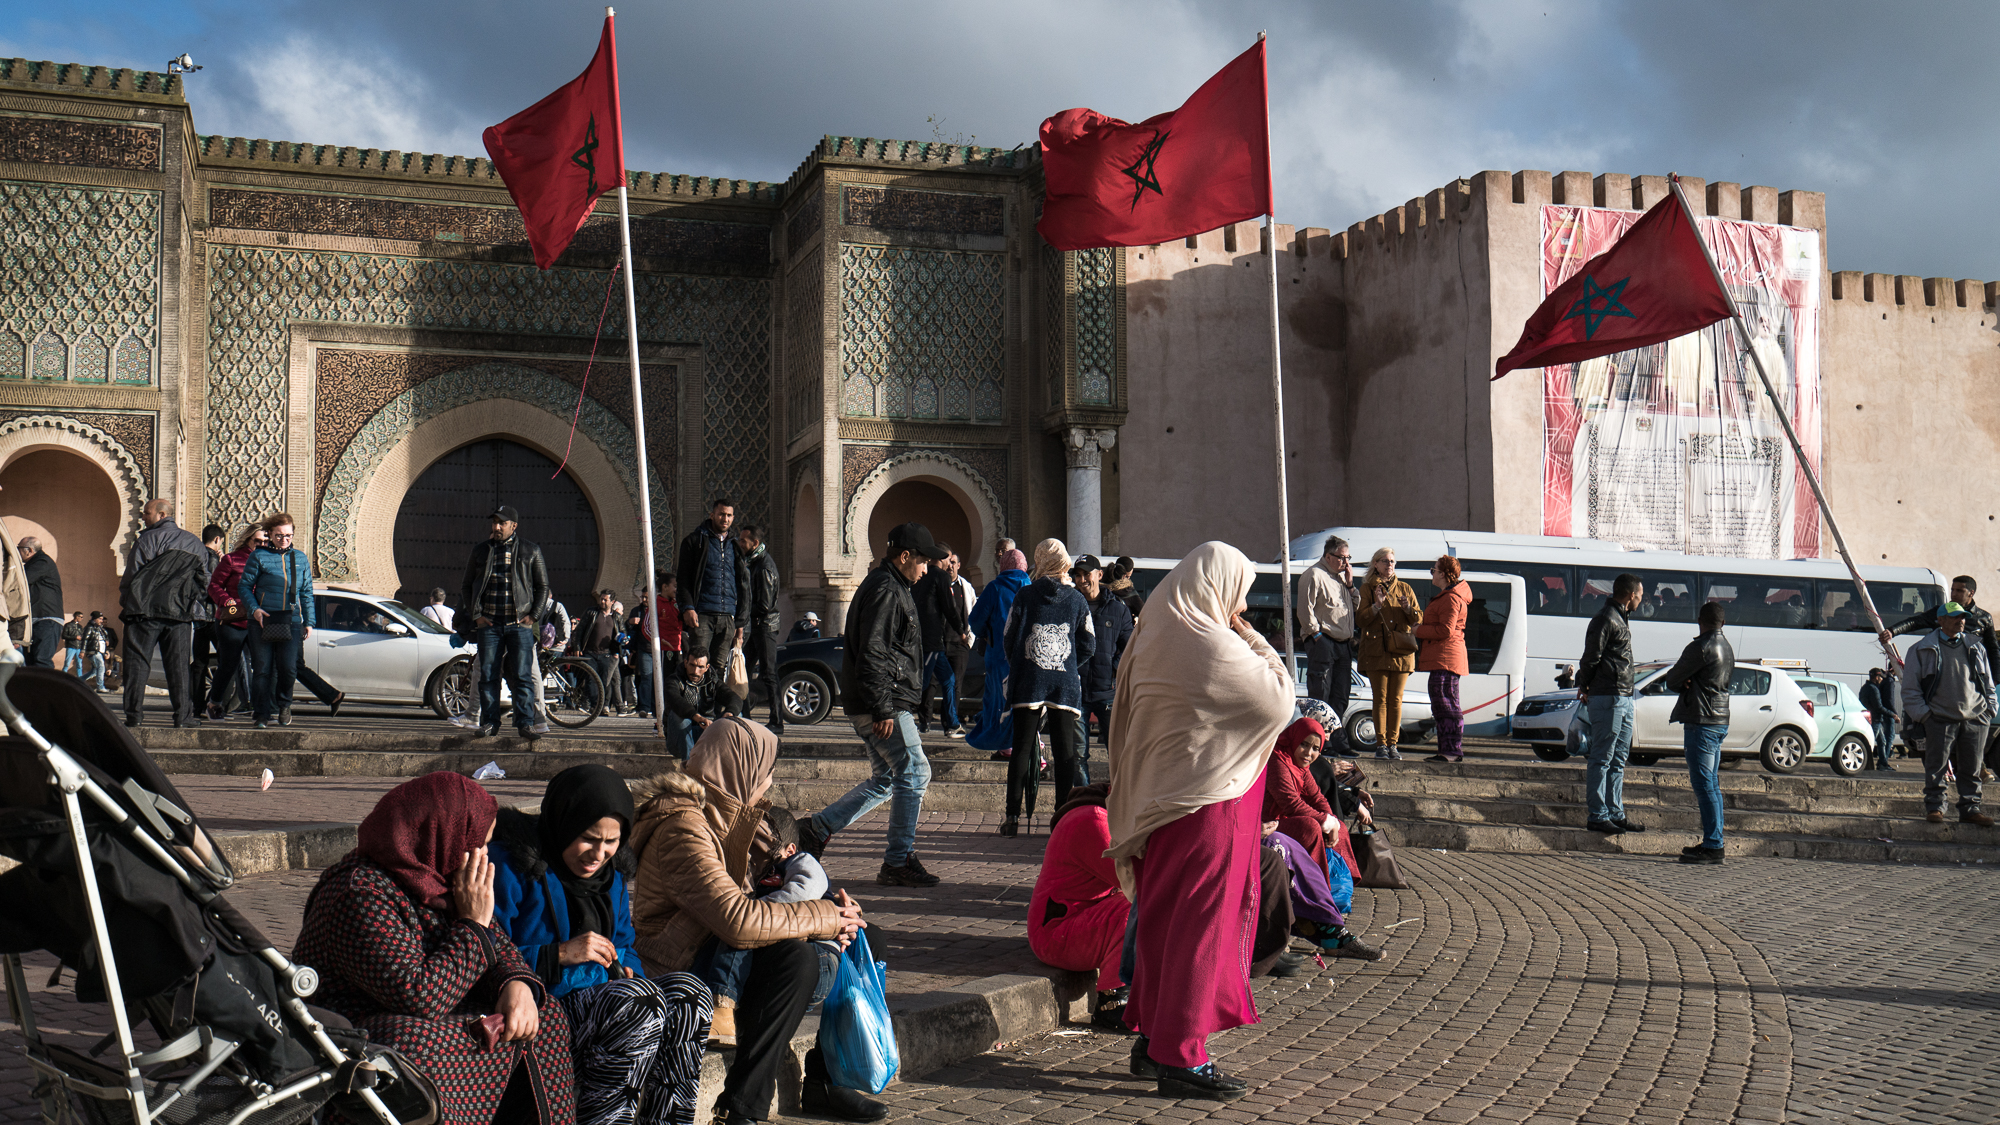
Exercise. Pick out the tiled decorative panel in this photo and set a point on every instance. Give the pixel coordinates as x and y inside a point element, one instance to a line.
<point>93,144</point>
<point>945,212</point>
<point>930,317</point>
<point>804,355</point>
<point>125,437</point>
<point>804,224</point>
<point>1055,323</point>
<point>256,294</point>
<point>80,264</point>
<point>1096,325</point>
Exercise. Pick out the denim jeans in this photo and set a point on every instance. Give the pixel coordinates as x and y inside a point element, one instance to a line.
<point>1702,742</point>
<point>73,662</point>
<point>96,675</point>
<point>277,668</point>
<point>901,775</point>
<point>724,968</point>
<point>681,734</point>
<point>938,669</point>
<point>1604,768</point>
<point>1885,740</point>
<point>515,644</point>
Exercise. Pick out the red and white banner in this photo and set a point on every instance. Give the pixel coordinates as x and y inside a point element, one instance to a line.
<point>1675,446</point>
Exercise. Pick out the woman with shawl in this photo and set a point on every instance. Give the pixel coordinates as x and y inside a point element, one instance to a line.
<point>1385,650</point>
<point>401,931</point>
<point>1201,698</point>
<point>1048,639</point>
<point>696,831</point>
<point>995,729</point>
<point>560,892</point>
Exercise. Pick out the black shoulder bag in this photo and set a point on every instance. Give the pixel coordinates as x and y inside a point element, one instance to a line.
<point>278,626</point>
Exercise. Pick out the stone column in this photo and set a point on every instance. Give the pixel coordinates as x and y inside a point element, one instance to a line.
<point>1085,448</point>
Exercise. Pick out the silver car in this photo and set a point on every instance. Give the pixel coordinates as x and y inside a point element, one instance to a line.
<point>381,651</point>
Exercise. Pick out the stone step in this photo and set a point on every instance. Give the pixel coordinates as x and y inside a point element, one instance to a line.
<point>1684,819</point>
<point>1896,801</point>
<point>1440,836</point>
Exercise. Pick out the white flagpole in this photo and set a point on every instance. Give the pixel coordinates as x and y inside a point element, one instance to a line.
<point>1278,407</point>
<point>639,435</point>
<point>1785,420</point>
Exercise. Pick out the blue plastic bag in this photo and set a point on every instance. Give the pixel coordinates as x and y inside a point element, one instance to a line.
<point>855,1032</point>
<point>1341,880</point>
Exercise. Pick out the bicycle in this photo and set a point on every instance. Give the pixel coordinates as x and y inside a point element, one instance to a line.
<point>572,690</point>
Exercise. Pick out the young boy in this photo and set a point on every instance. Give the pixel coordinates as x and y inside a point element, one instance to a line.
<point>791,876</point>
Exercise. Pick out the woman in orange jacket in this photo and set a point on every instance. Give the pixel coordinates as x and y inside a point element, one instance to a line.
<point>1442,632</point>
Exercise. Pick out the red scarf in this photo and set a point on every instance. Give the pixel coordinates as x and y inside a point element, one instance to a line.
<point>420,831</point>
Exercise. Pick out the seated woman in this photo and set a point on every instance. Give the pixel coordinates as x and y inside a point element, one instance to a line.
<point>1316,915</point>
<point>696,829</point>
<point>559,892</point>
<point>1294,800</point>
<point>401,931</point>
<point>1076,916</point>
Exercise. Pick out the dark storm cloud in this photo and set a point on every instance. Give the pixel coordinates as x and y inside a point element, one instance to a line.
<point>1888,109</point>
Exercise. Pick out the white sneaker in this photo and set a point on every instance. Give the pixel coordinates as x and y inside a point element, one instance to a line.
<point>955,732</point>
<point>540,728</point>
<point>466,722</point>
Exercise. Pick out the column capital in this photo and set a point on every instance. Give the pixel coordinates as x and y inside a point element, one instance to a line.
<point>1085,446</point>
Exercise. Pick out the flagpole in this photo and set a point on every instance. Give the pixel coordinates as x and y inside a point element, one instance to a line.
<point>1278,404</point>
<point>639,425</point>
<point>1785,420</point>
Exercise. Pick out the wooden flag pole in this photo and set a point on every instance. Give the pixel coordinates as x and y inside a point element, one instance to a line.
<point>639,430</point>
<point>1278,403</point>
<point>1785,419</point>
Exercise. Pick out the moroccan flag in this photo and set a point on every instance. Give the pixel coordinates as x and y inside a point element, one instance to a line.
<point>1203,166</point>
<point>1653,284</point>
<point>558,155</point>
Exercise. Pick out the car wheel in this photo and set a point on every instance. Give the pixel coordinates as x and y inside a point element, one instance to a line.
<point>808,698</point>
<point>1644,759</point>
<point>1850,756</point>
<point>1783,750</point>
<point>1361,729</point>
<point>1548,753</point>
<point>452,690</point>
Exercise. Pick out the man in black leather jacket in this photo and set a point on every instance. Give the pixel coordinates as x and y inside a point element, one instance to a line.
<point>760,619</point>
<point>881,680</point>
<point>1701,676</point>
<point>1604,685</point>
<point>505,591</point>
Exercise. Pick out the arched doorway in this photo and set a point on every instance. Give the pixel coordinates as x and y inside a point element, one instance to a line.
<point>920,501</point>
<point>445,512</point>
<point>73,508</point>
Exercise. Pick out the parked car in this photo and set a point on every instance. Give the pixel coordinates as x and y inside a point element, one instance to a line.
<point>381,651</point>
<point>1771,719</point>
<point>1846,736</point>
<point>1359,721</point>
<point>808,679</point>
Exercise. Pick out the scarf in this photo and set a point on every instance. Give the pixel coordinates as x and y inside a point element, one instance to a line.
<point>1288,742</point>
<point>420,832</point>
<point>733,760</point>
<point>576,799</point>
<point>1081,797</point>
<point>1197,706</point>
<point>1013,560</point>
<point>1051,560</point>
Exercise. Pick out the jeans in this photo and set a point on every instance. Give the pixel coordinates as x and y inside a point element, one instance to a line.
<point>1083,740</point>
<point>45,642</point>
<point>1330,679</point>
<point>96,675</point>
<point>605,664</point>
<point>73,662</point>
<point>760,663</point>
<point>1885,740</point>
<point>714,634</point>
<point>941,670</point>
<point>1961,744</point>
<point>901,775</point>
<point>1702,742</point>
<point>644,676</point>
<point>277,668</point>
<point>174,639</point>
<point>681,734</point>
<point>1610,745</point>
<point>515,645</point>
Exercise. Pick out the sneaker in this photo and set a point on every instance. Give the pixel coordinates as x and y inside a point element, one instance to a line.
<point>492,731</point>
<point>1975,817</point>
<point>215,712</point>
<point>1711,857</point>
<point>191,722</point>
<point>910,874</point>
<point>262,724</point>
<point>464,722</point>
<point>531,734</point>
<point>1349,946</point>
<point>811,840</point>
<point>284,716</point>
<point>1935,816</point>
<point>955,732</point>
<point>1388,754</point>
<point>541,727</point>
<point>1202,1081</point>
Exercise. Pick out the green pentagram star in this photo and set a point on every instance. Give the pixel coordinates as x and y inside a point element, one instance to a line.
<point>1592,311</point>
<point>586,157</point>
<point>1144,178</point>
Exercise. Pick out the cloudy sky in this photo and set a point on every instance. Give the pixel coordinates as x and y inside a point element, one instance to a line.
<point>1888,108</point>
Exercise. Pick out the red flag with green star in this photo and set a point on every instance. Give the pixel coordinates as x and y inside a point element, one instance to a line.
<point>558,155</point>
<point>1653,284</point>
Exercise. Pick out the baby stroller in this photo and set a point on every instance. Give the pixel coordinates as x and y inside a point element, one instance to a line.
<point>145,930</point>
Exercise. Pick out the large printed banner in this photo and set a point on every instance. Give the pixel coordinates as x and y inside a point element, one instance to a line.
<point>1676,446</point>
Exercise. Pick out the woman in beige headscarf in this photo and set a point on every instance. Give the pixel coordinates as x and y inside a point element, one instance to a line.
<point>1201,699</point>
<point>695,834</point>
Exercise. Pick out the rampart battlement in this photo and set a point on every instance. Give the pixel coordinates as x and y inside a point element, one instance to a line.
<point>104,81</point>
<point>263,155</point>
<point>1916,292</point>
<point>924,155</point>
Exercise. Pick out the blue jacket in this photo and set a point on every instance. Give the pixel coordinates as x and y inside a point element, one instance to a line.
<point>529,903</point>
<point>263,583</point>
<point>1049,637</point>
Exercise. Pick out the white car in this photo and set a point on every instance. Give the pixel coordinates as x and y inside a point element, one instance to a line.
<point>1360,718</point>
<point>1770,719</point>
<point>382,651</point>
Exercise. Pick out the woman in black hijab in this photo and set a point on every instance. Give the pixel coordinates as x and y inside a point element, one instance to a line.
<point>561,892</point>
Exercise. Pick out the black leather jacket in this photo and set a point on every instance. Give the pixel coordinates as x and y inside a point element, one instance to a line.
<point>706,696</point>
<point>763,608</point>
<point>530,576</point>
<point>881,665</point>
<point>1606,667</point>
<point>1701,676</point>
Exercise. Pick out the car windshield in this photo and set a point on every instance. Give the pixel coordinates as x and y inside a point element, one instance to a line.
<point>414,618</point>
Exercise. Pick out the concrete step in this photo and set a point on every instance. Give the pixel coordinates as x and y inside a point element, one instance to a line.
<point>1895,802</point>
<point>1685,819</point>
<point>1441,836</point>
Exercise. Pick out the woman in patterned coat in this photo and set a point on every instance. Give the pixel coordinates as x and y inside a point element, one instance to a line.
<point>1049,639</point>
<point>401,931</point>
<point>561,892</point>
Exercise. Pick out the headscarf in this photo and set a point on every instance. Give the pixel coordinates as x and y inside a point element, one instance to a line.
<point>1051,560</point>
<point>733,760</point>
<point>575,800</point>
<point>1298,732</point>
<point>1011,559</point>
<point>1197,707</point>
<point>1082,797</point>
<point>420,831</point>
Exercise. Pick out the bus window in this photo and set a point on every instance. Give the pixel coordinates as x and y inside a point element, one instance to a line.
<point>1485,620</point>
<point>1838,607</point>
<point>1593,590</point>
<point>1669,596</point>
<point>1760,600</point>
<point>1551,589</point>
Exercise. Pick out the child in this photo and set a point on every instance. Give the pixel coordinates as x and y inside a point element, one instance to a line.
<point>791,876</point>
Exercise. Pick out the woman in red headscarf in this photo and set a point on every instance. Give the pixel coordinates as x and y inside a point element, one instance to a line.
<point>401,931</point>
<point>1294,800</point>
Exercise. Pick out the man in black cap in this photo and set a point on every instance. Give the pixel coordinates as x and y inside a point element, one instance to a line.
<point>506,590</point>
<point>881,679</point>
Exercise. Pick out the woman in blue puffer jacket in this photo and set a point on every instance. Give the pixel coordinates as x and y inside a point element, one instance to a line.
<point>277,585</point>
<point>1049,638</point>
<point>561,892</point>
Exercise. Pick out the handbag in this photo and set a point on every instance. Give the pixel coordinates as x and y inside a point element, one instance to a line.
<point>738,679</point>
<point>1378,862</point>
<point>1397,643</point>
<point>232,614</point>
<point>278,626</point>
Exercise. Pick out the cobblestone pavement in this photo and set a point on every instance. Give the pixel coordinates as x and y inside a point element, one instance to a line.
<point>1891,976</point>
